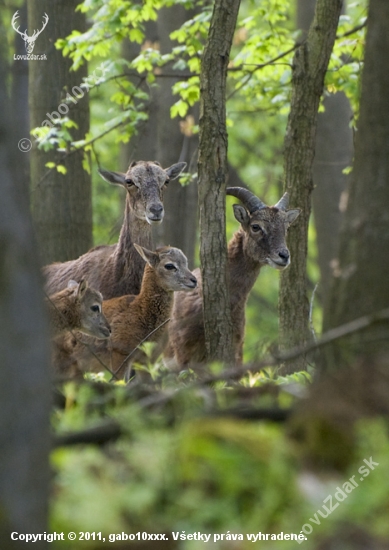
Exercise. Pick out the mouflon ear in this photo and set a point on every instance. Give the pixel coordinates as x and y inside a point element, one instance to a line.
<point>241,214</point>
<point>115,178</point>
<point>175,170</point>
<point>82,288</point>
<point>291,215</point>
<point>149,257</point>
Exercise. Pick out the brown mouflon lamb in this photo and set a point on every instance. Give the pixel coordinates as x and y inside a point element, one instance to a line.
<point>77,307</point>
<point>134,318</point>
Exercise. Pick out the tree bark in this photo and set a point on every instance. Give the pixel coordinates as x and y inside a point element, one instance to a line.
<point>309,68</point>
<point>142,146</point>
<point>61,204</point>
<point>180,222</point>
<point>212,170</point>
<point>333,153</point>
<point>360,286</point>
<point>19,106</point>
<point>24,377</point>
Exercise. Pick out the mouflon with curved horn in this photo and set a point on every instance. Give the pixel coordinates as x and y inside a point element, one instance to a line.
<point>259,241</point>
<point>282,204</point>
<point>251,202</point>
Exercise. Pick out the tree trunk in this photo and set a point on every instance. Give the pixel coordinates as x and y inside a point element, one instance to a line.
<point>180,222</point>
<point>309,68</point>
<point>19,106</point>
<point>24,377</point>
<point>333,153</point>
<point>212,170</point>
<point>142,146</point>
<point>62,208</point>
<point>360,285</point>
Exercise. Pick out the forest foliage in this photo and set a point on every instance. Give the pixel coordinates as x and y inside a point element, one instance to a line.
<point>258,96</point>
<point>174,461</point>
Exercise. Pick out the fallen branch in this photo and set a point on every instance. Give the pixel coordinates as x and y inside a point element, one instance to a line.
<point>253,413</point>
<point>98,435</point>
<point>330,336</point>
<point>235,373</point>
<point>111,430</point>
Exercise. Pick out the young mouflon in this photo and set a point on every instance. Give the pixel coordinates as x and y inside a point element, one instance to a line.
<point>135,318</point>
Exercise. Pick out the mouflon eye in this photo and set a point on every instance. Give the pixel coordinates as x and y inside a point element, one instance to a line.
<point>96,309</point>
<point>256,228</point>
<point>170,267</point>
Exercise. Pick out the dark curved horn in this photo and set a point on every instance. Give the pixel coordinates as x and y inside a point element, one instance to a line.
<point>282,204</point>
<point>251,202</point>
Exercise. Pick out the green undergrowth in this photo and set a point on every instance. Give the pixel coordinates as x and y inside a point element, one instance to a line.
<point>191,453</point>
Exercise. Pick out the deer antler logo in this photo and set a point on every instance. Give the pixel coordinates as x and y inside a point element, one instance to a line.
<point>29,40</point>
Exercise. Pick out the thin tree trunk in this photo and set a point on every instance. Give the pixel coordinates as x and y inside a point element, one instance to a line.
<point>180,222</point>
<point>360,283</point>
<point>333,153</point>
<point>309,68</point>
<point>142,146</point>
<point>212,170</point>
<point>19,106</point>
<point>24,377</point>
<point>61,204</point>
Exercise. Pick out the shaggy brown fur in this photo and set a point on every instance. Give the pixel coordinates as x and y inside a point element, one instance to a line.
<point>117,270</point>
<point>77,307</point>
<point>133,318</point>
<point>259,241</point>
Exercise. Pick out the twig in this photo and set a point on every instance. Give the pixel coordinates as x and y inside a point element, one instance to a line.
<point>352,31</point>
<point>77,149</point>
<point>142,77</point>
<point>137,347</point>
<point>310,312</point>
<point>262,65</point>
<point>110,431</point>
<point>328,337</point>
<point>283,54</point>
<point>90,142</point>
<point>237,372</point>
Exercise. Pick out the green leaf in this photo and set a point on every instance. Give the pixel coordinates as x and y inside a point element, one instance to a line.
<point>180,108</point>
<point>61,169</point>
